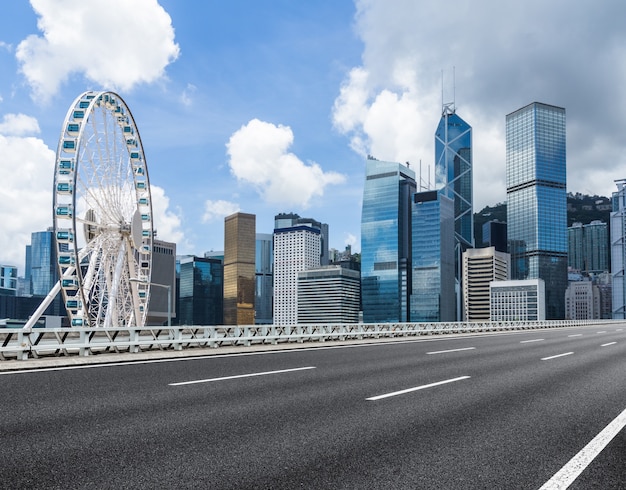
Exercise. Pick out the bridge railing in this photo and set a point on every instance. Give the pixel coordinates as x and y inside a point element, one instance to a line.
<point>16,343</point>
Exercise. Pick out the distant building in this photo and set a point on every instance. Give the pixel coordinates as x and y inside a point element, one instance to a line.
<point>264,276</point>
<point>288,220</point>
<point>588,247</point>
<point>296,249</point>
<point>481,266</point>
<point>201,290</point>
<point>386,241</point>
<point>537,200</point>
<point>494,235</point>
<point>42,268</point>
<point>518,301</point>
<point>328,294</point>
<point>582,301</point>
<point>239,268</point>
<point>163,276</point>
<point>8,280</point>
<point>432,297</point>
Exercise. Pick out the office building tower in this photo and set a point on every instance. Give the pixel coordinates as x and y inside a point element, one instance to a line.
<point>481,266</point>
<point>453,171</point>
<point>42,268</point>
<point>588,247</point>
<point>575,256</point>
<point>537,200</point>
<point>518,301</point>
<point>618,250</point>
<point>328,294</point>
<point>8,280</point>
<point>201,290</point>
<point>296,248</point>
<point>162,305</point>
<point>239,268</point>
<point>287,220</point>
<point>582,301</point>
<point>605,286</point>
<point>432,297</point>
<point>264,276</point>
<point>494,235</point>
<point>386,241</point>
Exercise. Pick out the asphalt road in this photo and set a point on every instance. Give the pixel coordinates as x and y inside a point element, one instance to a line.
<point>493,411</point>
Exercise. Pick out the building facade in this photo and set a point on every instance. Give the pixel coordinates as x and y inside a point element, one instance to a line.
<point>8,280</point>
<point>296,249</point>
<point>588,250</point>
<point>582,301</point>
<point>494,235</point>
<point>537,199</point>
<point>42,268</point>
<point>618,251</point>
<point>239,268</point>
<point>201,291</point>
<point>481,266</point>
<point>432,297</point>
<point>518,301</point>
<point>264,279</point>
<point>328,294</point>
<point>386,241</point>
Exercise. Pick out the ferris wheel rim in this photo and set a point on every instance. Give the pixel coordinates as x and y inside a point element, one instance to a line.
<point>111,256</point>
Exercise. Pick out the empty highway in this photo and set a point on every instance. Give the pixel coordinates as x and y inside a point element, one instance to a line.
<point>491,411</point>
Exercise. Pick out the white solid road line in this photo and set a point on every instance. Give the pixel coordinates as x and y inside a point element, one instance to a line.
<point>409,390</point>
<point>610,343</point>
<point>576,335</point>
<point>554,357</point>
<point>566,475</point>
<point>451,350</point>
<point>533,340</point>
<point>240,376</point>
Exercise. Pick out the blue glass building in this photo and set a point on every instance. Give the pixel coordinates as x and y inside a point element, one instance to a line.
<point>201,291</point>
<point>386,241</point>
<point>537,200</point>
<point>264,287</point>
<point>453,171</point>
<point>433,287</point>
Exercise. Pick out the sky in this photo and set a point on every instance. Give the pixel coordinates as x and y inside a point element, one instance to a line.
<point>272,106</point>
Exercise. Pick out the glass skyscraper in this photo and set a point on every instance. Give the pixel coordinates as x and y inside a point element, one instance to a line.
<point>386,241</point>
<point>453,171</point>
<point>433,296</point>
<point>264,273</point>
<point>537,200</point>
<point>201,291</point>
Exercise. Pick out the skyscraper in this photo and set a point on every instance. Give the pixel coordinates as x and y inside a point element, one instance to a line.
<point>618,250</point>
<point>386,241</point>
<point>201,291</point>
<point>537,201</point>
<point>588,247</point>
<point>239,268</point>
<point>453,171</point>
<point>296,248</point>
<point>432,297</point>
<point>264,272</point>
<point>481,266</point>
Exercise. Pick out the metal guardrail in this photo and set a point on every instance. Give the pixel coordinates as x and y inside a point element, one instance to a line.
<point>46,342</point>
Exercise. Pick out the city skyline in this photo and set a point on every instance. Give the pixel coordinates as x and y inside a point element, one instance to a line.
<point>238,111</point>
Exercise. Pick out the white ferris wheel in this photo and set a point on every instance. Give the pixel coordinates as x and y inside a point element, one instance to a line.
<point>102,212</point>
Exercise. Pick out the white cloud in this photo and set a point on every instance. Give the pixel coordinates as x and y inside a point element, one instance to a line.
<point>27,169</point>
<point>259,156</point>
<point>114,43</point>
<point>350,239</point>
<point>18,125</point>
<point>214,210</point>
<point>167,223</point>
<point>6,46</point>
<point>186,96</point>
<point>506,56</point>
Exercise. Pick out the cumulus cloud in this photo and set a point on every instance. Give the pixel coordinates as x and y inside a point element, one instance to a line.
<point>506,56</point>
<point>167,222</point>
<point>259,155</point>
<point>114,43</point>
<point>215,210</point>
<point>27,169</point>
<point>18,125</point>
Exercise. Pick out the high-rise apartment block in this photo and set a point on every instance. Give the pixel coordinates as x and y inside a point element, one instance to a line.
<point>588,250</point>
<point>386,241</point>
<point>297,247</point>
<point>432,280</point>
<point>328,294</point>
<point>481,266</point>
<point>537,200</point>
<point>618,250</point>
<point>239,268</point>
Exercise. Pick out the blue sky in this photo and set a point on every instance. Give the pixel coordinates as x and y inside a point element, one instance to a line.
<point>272,106</point>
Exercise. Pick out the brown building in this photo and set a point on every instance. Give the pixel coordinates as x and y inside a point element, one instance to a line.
<point>239,268</point>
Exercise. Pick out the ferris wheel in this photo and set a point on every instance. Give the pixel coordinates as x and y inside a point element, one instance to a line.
<point>102,212</point>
